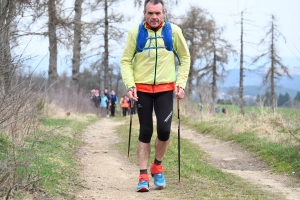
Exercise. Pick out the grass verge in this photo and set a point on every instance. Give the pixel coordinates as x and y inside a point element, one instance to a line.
<point>48,158</point>
<point>57,162</point>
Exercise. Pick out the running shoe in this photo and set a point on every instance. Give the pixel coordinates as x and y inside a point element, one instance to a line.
<point>143,185</point>
<point>157,174</point>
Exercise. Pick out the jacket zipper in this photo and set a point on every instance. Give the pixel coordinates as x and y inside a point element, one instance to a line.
<point>155,65</point>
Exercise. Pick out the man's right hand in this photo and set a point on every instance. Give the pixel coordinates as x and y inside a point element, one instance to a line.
<point>132,94</point>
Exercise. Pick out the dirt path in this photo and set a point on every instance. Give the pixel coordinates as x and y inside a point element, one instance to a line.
<point>107,174</point>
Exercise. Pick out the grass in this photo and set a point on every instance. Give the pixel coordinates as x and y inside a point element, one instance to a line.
<point>56,161</point>
<point>273,137</point>
<point>48,159</point>
<point>199,180</point>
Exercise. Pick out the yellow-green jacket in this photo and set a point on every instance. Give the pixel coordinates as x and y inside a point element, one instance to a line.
<point>157,66</point>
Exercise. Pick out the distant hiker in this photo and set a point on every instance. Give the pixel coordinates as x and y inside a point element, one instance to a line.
<point>200,107</point>
<point>95,98</point>
<point>108,104</point>
<point>223,110</point>
<point>125,105</point>
<point>148,67</point>
<point>113,101</point>
<point>103,105</point>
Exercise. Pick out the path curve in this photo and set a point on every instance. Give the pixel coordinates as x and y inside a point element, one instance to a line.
<point>231,158</point>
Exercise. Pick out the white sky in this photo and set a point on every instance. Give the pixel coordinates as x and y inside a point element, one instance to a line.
<point>227,14</point>
<point>257,13</point>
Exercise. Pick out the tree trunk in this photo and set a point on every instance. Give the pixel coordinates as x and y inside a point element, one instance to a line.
<point>77,44</point>
<point>273,95</point>
<point>7,11</point>
<point>241,88</point>
<point>214,80</point>
<point>192,68</point>
<point>105,62</point>
<point>119,77</point>
<point>52,42</point>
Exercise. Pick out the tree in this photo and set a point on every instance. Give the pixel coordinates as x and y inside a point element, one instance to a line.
<point>52,36</point>
<point>209,51</point>
<point>297,97</point>
<point>76,44</point>
<point>287,99</point>
<point>241,84</point>
<point>268,99</point>
<point>217,55</point>
<point>197,26</point>
<point>280,100</point>
<point>276,68</point>
<point>7,15</point>
<point>108,29</point>
<point>168,3</point>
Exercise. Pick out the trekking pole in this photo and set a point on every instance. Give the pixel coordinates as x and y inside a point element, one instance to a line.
<point>130,124</point>
<point>178,111</point>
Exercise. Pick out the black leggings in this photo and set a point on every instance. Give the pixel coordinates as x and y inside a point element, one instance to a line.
<point>162,103</point>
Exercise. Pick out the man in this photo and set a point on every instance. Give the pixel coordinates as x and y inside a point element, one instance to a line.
<point>150,78</point>
<point>113,100</point>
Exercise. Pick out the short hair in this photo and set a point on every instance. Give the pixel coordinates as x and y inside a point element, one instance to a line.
<point>154,2</point>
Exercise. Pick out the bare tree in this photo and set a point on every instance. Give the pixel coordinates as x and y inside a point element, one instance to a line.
<point>276,68</point>
<point>196,26</point>
<point>52,23</point>
<point>7,15</point>
<point>107,30</point>
<point>241,84</point>
<point>216,58</point>
<point>77,44</point>
<point>168,3</point>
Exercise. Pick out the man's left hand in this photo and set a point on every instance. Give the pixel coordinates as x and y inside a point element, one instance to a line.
<point>179,92</point>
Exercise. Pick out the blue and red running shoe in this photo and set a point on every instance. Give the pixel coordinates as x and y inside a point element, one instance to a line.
<point>143,185</point>
<point>157,174</point>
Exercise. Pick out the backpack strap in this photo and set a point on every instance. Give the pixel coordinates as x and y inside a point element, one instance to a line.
<point>142,38</point>
<point>168,39</point>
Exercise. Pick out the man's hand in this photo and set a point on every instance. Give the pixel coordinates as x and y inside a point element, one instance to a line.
<point>179,92</point>
<point>132,94</point>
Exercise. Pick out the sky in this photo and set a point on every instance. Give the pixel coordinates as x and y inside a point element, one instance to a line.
<point>257,16</point>
<point>227,14</point>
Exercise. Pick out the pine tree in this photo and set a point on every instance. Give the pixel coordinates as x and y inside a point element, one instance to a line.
<point>297,97</point>
<point>287,98</point>
<point>280,100</point>
<point>276,68</point>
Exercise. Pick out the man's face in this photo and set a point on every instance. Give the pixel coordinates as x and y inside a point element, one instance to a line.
<point>154,14</point>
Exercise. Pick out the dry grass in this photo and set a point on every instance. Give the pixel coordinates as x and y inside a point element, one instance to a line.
<point>21,111</point>
<point>274,127</point>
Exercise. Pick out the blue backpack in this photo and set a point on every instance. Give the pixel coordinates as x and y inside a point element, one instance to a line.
<point>142,38</point>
